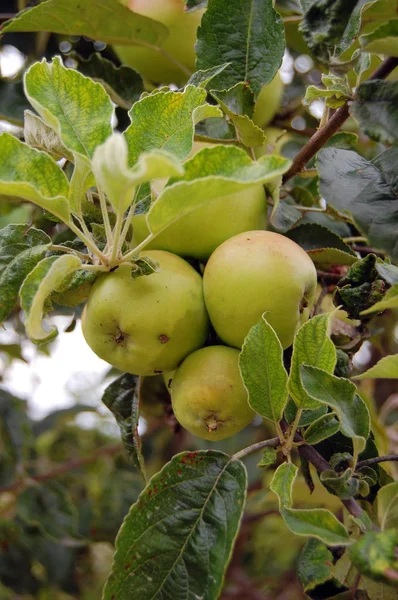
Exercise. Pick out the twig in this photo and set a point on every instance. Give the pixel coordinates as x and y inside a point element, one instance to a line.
<point>272,443</point>
<point>332,125</point>
<point>64,468</point>
<point>377,459</point>
<point>367,250</point>
<point>324,275</point>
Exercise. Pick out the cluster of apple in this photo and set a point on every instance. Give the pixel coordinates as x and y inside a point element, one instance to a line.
<point>160,324</point>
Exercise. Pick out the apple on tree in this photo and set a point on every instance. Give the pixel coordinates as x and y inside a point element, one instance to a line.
<point>256,272</point>
<point>147,325</point>
<point>208,395</point>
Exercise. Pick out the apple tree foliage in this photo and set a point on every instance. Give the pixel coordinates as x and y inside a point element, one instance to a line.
<point>89,139</point>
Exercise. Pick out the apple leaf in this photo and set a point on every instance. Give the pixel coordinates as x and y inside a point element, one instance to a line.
<point>315,565</point>
<point>390,300</point>
<point>315,522</point>
<point>312,345</point>
<point>324,427</point>
<point>64,99</point>
<point>20,251</point>
<point>181,530</point>
<point>212,173</point>
<point>122,400</point>
<point>33,175</point>
<point>374,553</point>
<point>203,78</point>
<point>366,189</point>
<point>12,101</point>
<point>39,135</point>
<point>118,181</point>
<point>383,40</point>
<point>386,368</point>
<point>325,247</point>
<point>105,20</point>
<point>166,121</point>
<point>123,84</point>
<point>262,371</point>
<point>387,506</point>
<point>38,285</point>
<point>353,26</point>
<point>376,110</point>
<point>340,394</point>
<point>248,34</point>
<point>343,485</point>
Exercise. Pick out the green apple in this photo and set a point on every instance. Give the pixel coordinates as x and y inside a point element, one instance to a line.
<point>257,272</point>
<point>268,102</point>
<point>208,395</point>
<point>276,139</point>
<point>200,232</point>
<point>179,44</point>
<point>147,325</point>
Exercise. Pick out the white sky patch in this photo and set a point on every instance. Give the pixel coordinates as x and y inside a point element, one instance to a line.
<point>11,60</point>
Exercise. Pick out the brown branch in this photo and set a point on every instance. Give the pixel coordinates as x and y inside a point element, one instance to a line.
<point>272,443</point>
<point>63,468</point>
<point>333,125</point>
<point>377,459</point>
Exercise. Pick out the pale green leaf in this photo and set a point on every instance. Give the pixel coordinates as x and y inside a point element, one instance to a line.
<point>324,427</point>
<point>386,368</point>
<point>20,251</point>
<point>383,40</point>
<point>212,173</point>
<point>108,21</point>
<point>268,458</point>
<point>203,78</point>
<point>315,522</point>
<point>325,258</point>
<point>165,121</point>
<point>44,279</point>
<point>313,346</point>
<point>340,394</point>
<point>65,98</point>
<point>282,484</point>
<point>178,537</point>
<point>42,137</point>
<point>387,506</point>
<point>118,181</point>
<point>390,300</point>
<point>262,371</point>
<point>33,175</point>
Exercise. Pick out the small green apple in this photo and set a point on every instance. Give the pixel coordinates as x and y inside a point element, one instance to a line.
<point>179,44</point>
<point>147,325</point>
<point>268,102</point>
<point>257,272</point>
<point>208,395</point>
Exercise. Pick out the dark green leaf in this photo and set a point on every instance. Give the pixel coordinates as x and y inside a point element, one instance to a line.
<point>315,565</point>
<point>312,236</point>
<point>321,429</point>
<point>343,485</point>
<point>376,110</point>
<point>21,249</point>
<point>13,102</point>
<point>248,34</point>
<point>366,189</point>
<point>122,400</point>
<point>177,539</point>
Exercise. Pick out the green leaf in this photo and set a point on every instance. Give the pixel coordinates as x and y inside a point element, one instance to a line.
<point>376,110</point>
<point>268,458</point>
<point>315,522</point>
<point>374,553</point>
<point>262,371</point>
<point>324,24</point>
<point>178,537</point>
<point>383,40</point>
<point>32,175</point>
<point>123,84</point>
<point>12,101</point>
<point>49,507</point>
<point>20,251</point>
<point>248,34</point>
<point>42,137</point>
<point>354,25</point>
<point>340,394</point>
<point>210,174</point>
<point>321,429</point>
<point>335,91</point>
<point>203,78</point>
<point>64,99</point>
<point>390,300</point>
<point>386,368</point>
<point>38,285</point>
<point>110,167</point>
<point>343,485</point>
<point>166,121</point>
<point>315,565</point>
<point>122,400</point>
<point>325,247</point>
<point>312,345</point>
<point>368,190</point>
<point>238,104</point>
<point>109,22</point>
<point>387,506</point>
